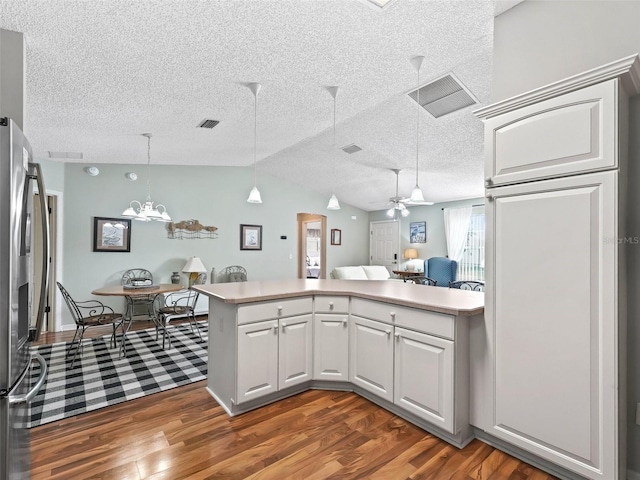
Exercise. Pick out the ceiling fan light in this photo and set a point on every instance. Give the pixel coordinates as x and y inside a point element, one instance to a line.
<point>416,195</point>
<point>254,195</point>
<point>390,212</point>
<point>334,204</point>
<point>404,212</point>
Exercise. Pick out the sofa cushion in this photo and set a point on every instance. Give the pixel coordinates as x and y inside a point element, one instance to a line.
<point>349,273</point>
<point>376,272</point>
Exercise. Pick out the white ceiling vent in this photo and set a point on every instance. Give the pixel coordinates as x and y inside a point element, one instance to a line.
<point>353,148</point>
<point>69,155</point>
<point>444,95</point>
<point>208,123</point>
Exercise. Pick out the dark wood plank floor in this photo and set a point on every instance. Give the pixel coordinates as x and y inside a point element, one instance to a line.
<point>183,433</point>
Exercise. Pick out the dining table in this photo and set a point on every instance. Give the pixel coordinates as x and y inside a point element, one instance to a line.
<point>129,293</point>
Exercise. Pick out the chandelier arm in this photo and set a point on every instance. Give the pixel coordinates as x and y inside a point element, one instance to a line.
<point>418,128</point>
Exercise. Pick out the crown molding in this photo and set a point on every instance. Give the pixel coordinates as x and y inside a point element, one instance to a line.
<point>627,69</point>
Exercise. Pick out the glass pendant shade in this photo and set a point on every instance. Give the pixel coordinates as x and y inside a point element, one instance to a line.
<point>254,195</point>
<point>333,204</point>
<point>416,195</point>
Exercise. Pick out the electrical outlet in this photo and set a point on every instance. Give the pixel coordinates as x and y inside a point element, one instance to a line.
<point>638,414</point>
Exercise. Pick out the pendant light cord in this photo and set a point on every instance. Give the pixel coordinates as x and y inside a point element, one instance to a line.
<point>418,127</point>
<point>148,168</point>
<point>255,138</point>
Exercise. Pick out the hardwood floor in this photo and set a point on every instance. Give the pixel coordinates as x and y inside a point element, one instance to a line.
<point>183,433</point>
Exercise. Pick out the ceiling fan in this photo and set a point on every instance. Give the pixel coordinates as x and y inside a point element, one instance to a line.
<point>398,209</point>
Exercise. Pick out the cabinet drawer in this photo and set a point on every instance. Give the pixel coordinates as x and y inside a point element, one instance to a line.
<point>568,134</point>
<point>433,323</point>
<point>328,304</point>
<point>255,312</point>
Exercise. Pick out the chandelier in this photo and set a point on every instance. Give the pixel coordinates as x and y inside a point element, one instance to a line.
<point>145,212</point>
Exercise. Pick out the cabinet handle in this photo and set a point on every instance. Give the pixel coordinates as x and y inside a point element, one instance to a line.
<point>284,325</point>
<point>330,305</point>
<point>275,329</point>
<point>344,322</point>
<point>388,333</point>
<point>393,315</point>
<point>488,181</point>
<point>397,335</point>
<point>489,197</point>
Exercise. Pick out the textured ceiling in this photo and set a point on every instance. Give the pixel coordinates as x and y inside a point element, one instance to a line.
<point>100,73</point>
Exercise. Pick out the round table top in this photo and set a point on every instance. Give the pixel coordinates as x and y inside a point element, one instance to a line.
<point>119,290</point>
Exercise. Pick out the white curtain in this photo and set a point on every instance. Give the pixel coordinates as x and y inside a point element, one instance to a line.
<point>456,226</point>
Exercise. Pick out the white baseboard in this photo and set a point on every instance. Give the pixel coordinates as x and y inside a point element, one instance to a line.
<point>631,475</point>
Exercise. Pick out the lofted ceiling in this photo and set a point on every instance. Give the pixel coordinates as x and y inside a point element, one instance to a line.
<point>100,73</point>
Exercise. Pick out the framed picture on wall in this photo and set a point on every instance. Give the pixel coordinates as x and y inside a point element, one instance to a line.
<point>250,237</point>
<point>418,232</point>
<point>336,236</point>
<point>111,234</point>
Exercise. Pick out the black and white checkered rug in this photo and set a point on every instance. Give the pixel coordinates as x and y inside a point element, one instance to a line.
<point>100,379</point>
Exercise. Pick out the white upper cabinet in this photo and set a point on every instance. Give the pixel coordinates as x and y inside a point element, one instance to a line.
<point>569,134</point>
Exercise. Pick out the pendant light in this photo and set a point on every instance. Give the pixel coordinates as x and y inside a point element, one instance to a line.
<point>416,194</point>
<point>254,195</point>
<point>334,204</point>
<point>145,212</point>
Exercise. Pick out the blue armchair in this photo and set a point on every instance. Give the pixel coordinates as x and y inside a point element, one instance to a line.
<point>442,270</point>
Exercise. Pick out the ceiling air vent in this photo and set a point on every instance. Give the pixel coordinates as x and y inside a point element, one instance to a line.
<point>208,123</point>
<point>353,148</point>
<point>444,95</point>
<point>69,155</point>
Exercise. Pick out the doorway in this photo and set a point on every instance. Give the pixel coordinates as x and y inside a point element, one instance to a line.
<point>312,245</point>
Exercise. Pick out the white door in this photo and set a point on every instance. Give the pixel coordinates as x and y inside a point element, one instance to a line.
<point>423,383</point>
<point>257,360</point>
<point>551,303</point>
<point>371,356</point>
<point>295,351</point>
<point>331,347</point>
<point>385,244</point>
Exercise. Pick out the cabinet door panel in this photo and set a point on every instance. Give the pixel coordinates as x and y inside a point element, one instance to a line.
<point>371,359</point>
<point>554,312</point>
<point>295,351</point>
<point>331,347</point>
<point>568,134</point>
<point>424,377</point>
<point>257,360</point>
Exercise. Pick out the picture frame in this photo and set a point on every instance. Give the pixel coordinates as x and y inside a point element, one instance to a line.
<point>336,236</point>
<point>418,232</point>
<point>111,234</point>
<point>250,237</point>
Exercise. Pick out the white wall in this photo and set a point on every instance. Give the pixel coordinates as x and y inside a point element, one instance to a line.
<point>539,42</point>
<point>214,196</point>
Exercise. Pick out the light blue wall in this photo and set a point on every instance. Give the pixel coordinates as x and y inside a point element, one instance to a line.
<point>212,195</point>
<point>436,245</point>
<point>538,42</point>
<point>53,173</point>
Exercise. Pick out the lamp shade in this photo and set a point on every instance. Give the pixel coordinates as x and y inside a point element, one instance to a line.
<point>194,265</point>
<point>410,253</point>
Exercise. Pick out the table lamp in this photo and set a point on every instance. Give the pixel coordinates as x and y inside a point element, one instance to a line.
<point>410,254</point>
<point>193,267</point>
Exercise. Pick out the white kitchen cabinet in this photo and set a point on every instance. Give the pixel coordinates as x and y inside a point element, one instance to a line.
<point>295,351</point>
<point>548,363</point>
<point>423,377</point>
<point>331,347</point>
<point>371,356</point>
<point>257,360</point>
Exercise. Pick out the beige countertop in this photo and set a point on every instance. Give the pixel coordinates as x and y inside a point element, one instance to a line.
<point>436,299</point>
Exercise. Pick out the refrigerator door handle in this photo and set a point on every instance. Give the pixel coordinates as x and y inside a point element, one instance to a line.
<point>36,388</point>
<point>44,284</point>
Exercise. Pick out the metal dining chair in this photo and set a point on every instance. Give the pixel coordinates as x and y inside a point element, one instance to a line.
<point>421,280</point>
<point>139,277</point>
<point>180,303</point>
<point>468,285</point>
<point>87,314</point>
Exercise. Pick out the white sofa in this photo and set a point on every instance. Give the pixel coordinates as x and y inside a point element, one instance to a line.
<point>361,272</point>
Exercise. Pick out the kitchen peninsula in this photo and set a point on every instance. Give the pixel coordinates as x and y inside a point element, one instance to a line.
<point>403,346</point>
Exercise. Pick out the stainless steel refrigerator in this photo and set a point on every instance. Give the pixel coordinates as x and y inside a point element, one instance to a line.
<point>18,175</point>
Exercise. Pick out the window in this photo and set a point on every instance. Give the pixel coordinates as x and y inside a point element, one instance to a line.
<point>471,265</point>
